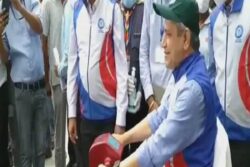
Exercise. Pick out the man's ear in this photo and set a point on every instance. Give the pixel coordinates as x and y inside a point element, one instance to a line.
<point>187,39</point>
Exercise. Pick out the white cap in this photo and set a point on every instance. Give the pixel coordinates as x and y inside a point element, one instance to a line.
<point>203,5</point>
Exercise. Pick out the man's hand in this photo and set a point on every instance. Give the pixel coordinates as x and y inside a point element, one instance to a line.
<point>73,130</point>
<point>120,138</point>
<point>117,164</point>
<point>152,104</point>
<point>4,18</point>
<point>101,165</point>
<point>119,129</point>
<point>17,4</point>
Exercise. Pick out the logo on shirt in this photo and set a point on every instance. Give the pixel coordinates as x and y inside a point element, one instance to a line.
<point>239,33</point>
<point>101,23</point>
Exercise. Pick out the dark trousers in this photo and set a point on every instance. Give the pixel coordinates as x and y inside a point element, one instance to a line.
<point>71,152</point>
<point>240,153</point>
<point>4,157</point>
<point>88,132</point>
<point>32,125</point>
<point>131,121</point>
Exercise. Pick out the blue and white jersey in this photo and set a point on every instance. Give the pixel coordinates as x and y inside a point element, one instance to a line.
<point>99,72</point>
<point>184,126</point>
<point>230,46</point>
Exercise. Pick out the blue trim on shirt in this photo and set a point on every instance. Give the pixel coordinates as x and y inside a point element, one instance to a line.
<point>237,5</point>
<point>181,70</point>
<point>93,110</point>
<point>76,12</point>
<point>199,73</point>
<point>213,18</point>
<point>234,131</point>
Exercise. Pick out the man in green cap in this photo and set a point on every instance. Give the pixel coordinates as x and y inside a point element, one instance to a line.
<point>182,132</point>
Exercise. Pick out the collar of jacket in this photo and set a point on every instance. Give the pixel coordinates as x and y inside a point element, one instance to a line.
<point>185,65</point>
<point>236,6</point>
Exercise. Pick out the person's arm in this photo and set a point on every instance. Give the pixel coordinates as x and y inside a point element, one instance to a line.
<point>32,17</point>
<point>212,70</point>
<point>72,87</point>
<point>3,50</point>
<point>45,23</point>
<point>121,70</point>
<point>46,63</point>
<point>180,129</point>
<point>68,18</point>
<point>144,58</point>
<point>146,127</point>
<point>144,51</point>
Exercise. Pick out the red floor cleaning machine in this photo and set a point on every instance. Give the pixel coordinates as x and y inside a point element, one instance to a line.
<point>105,150</point>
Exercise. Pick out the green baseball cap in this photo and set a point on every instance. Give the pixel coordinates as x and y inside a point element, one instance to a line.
<point>181,11</point>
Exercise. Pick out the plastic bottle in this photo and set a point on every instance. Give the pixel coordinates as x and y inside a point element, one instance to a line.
<point>132,97</point>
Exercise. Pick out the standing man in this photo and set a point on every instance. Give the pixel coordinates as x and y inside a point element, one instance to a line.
<point>230,45</point>
<point>137,110</point>
<point>97,70</point>
<point>154,75</point>
<point>52,12</point>
<point>22,43</point>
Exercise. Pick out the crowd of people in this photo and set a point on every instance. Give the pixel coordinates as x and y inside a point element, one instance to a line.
<point>168,78</point>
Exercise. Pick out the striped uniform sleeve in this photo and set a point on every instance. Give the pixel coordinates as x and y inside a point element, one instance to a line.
<point>72,87</point>
<point>144,51</point>
<point>121,67</point>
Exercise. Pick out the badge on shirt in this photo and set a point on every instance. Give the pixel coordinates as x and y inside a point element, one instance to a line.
<point>101,24</point>
<point>239,33</point>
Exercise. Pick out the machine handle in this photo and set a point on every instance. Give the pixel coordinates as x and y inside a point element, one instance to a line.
<point>107,162</point>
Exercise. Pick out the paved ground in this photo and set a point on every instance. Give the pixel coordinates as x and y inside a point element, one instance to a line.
<point>50,162</point>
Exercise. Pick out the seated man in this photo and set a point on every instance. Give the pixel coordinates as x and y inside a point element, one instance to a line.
<point>183,130</point>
